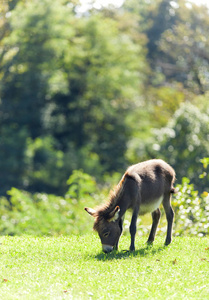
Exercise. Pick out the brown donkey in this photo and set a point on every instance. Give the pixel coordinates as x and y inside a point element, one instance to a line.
<point>143,188</point>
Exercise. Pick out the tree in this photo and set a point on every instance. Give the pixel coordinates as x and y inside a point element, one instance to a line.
<point>30,53</point>
<point>185,48</point>
<point>103,76</point>
<point>176,41</point>
<point>67,84</point>
<point>183,143</point>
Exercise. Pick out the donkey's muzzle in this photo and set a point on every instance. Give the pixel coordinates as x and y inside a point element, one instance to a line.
<point>107,248</point>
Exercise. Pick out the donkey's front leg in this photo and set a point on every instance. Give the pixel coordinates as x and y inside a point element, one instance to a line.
<point>133,229</point>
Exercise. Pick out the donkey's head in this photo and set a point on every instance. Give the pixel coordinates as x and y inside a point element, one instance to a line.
<point>109,227</point>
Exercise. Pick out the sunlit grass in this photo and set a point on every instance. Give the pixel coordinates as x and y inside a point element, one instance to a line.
<point>75,268</point>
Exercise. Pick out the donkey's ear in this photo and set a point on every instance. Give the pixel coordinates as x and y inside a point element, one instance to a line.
<point>91,211</point>
<point>114,215</point>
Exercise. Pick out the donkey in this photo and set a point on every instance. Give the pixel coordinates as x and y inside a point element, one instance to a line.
<point>143,188</point>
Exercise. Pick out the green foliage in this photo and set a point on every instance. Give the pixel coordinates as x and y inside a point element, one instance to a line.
<point>44,165</point>
<point>27,63</point>
<point>183,143</point>
<point>165,102</point>
<point>176,43</point>
<point>85,91</point>
<point>81,186</point>
<point>205,162</point>
<point>184,46</point>
<point>102,81</point>
<point>49,215</point>
<point>40,214</point>
<point>191,211</point>
<point>43,214</point>
<point>12,157</point>
<point>72,81</point>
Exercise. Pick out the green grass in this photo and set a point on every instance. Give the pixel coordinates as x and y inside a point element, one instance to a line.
<point>75,268</point>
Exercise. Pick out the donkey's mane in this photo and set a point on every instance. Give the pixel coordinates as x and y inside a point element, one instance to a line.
<point>105,209</point>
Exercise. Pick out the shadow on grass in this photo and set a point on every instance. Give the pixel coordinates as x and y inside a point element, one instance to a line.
<point>148,250</point>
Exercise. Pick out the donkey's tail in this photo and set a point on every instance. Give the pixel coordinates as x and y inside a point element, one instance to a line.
<point>173,190</point>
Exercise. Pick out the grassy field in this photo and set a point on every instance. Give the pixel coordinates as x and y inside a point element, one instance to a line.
<point>75,268</point>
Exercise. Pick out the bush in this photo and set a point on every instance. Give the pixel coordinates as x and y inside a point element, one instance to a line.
<point>183,143</point>
<point>191,211</point>
<point>42,214</point>
<point>81,185</point>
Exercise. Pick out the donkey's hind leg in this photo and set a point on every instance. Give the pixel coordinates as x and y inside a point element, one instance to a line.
<point>155,220</point>
<point>169,216</point>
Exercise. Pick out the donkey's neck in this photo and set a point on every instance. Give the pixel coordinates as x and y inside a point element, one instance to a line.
<point>123,204</point>
<point>118,197</point>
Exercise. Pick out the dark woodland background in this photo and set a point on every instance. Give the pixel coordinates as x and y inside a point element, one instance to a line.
<point>101,90</point>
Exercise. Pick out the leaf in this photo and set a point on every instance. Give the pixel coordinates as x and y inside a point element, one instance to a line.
<point>205,162</point>
<point>207,248</point>
<point>204,259</point>
<point>202,175</point>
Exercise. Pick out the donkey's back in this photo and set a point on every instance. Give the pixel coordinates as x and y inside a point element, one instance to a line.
<point>152,169</point>
<point>154,178</point>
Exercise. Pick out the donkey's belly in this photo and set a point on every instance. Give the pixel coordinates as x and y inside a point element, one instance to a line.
<point>150,207</point>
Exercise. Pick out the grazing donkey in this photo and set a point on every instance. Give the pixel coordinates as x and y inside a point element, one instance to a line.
<point>143,188</point>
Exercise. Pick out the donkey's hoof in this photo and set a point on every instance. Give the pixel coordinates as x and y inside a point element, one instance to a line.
<point>132,249</point>
<point>167,243</point>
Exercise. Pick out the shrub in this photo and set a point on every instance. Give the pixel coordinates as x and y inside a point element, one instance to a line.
<point>183,143</point>
<point>191,211</point>
<point>81,185</point>
<point>43,214</point>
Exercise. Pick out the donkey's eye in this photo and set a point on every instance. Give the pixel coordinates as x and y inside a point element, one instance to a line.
<point>106,234</point>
